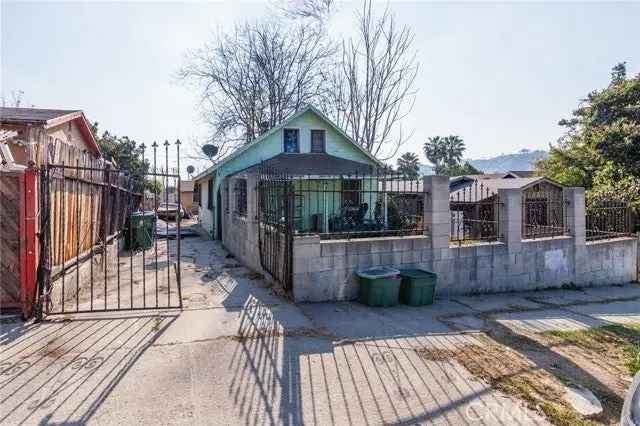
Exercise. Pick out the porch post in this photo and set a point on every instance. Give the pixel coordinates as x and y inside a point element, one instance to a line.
<point>252,199</point>
<point>325,213</point>
<point>437,216</point>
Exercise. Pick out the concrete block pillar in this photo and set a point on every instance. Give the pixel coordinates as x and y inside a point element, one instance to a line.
<point>229,199</point>
<point>510,220</point>
<point>252,209</point>
<point>437,216</point>
<point>575,214</point>
<point>252,198</point>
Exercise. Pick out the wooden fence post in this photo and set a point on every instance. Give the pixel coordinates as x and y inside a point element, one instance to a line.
<point>29,231</point>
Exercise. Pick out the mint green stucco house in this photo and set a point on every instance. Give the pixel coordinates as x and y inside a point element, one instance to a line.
<point>307,143</point>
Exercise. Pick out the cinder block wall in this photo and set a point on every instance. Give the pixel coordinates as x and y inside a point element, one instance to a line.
<point>240,233</point>
<point>325,270</point>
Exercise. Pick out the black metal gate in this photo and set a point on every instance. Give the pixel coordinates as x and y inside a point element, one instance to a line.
<point>102,246</point>
<point>276,225</point>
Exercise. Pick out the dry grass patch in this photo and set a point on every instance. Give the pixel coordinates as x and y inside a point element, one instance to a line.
<point>513,373</point>
<point>620,344</point>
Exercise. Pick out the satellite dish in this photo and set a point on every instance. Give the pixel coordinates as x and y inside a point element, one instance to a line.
<point>210,150</point>
<point>191,169</point>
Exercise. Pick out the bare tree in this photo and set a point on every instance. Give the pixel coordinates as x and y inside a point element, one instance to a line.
<point>253,78</point>
<point>374,91</point>
<point>319,10</point>
<point>16,99</point>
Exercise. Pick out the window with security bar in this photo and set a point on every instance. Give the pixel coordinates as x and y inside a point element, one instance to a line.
<point>317,141</point>
<point>240,191</point>
<point>210,194</point>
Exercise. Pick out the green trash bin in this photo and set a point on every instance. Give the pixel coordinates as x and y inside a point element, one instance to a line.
<point>147,232</point>
<point>379,286</point>
<point>141,230</point>
<point>418,287</point>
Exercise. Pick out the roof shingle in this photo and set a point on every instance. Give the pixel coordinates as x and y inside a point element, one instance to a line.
<point>31,115</point>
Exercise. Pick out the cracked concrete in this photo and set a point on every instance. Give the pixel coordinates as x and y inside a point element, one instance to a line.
<point>240,354</point>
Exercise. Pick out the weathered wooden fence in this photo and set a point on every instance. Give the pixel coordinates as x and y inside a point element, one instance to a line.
<point>11,192</point>
<point>87,204</point>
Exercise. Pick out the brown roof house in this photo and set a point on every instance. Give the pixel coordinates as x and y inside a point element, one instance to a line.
<point>473,199</point>
<point>29,138</point>
<point>46,133</point>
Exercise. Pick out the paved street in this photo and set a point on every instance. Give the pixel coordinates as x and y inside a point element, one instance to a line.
<point>240,354</point>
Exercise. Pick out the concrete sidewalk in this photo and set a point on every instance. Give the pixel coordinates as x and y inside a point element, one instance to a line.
<point>240,354</point>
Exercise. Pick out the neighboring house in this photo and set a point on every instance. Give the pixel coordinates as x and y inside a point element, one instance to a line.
<point>307,143</point>
<point>47,130</point>
<point>473,199</point>
<point>32,137</point>
<point>187,196</point>
<point>455,181</point>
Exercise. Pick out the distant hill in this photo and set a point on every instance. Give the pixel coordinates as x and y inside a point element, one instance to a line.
<point>522,160</point>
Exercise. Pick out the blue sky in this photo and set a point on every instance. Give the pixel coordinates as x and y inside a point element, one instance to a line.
<point>500,75</point>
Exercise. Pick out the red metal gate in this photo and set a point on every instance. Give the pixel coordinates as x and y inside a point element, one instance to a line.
<point>18,240</point>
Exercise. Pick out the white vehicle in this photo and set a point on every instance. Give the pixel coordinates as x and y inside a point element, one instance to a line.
<point>169,210</point>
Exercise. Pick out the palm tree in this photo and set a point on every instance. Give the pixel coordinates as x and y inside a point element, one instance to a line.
<point>409,165</point>
<point>434,150</point>
<point>454,148</point>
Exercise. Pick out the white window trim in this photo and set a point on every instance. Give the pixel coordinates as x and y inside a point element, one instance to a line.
<point>324,141</point>
<point>299,140</point>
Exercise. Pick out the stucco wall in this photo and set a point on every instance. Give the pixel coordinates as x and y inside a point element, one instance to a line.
<point>68,133</point>
<point>205,215</point>
<point>607,261</point>
<point>186,199</point>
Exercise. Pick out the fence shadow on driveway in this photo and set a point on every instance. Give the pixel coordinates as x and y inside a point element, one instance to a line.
<point>62,372</point>
<point>369,372</point>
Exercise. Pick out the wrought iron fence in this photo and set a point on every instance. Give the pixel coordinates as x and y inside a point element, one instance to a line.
<point>543,212</point>
<point>475,213</point>
<point>275,227</point>
<point>85,212</point>
<point>606,219</point>
<point>380,203</point>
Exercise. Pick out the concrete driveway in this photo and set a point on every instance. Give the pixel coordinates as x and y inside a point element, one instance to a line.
<point>240,354</point>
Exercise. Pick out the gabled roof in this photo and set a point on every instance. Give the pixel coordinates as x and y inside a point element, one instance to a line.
<point>35,116</point>
<point>48,118</point>
<point>284,123</point>
<point>521,173</point>
<point>492,186</point>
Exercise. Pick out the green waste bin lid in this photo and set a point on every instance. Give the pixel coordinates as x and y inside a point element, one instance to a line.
<point>416,273</point>
<point>148,213</point>
<point>378,272</point>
